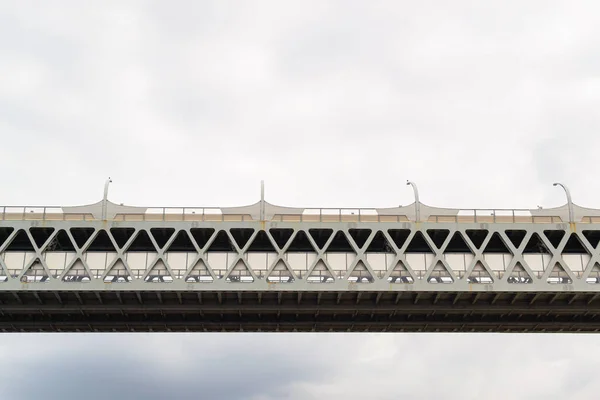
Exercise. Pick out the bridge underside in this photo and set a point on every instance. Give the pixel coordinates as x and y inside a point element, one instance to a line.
<point>358,311</point>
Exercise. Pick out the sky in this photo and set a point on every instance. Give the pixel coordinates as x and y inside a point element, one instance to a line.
<point>332,104</point>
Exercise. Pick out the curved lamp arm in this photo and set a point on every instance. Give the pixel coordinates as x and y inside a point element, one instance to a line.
<point>417,203</point>
<point>105,198</point>
<point>569,201</point>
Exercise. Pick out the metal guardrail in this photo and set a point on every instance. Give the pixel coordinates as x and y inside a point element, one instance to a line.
<point>509,216</point>
<point>215,214</point>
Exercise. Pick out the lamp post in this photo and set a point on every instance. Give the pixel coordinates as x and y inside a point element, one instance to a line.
<point>417,203</point>
<point>569,201</point>
<point>105,198</point>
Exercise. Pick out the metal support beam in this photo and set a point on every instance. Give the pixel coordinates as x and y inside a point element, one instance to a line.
<point>515,298</point>
<point>456,298</point>
<point>534,298</point>
<point>306,307</point>
<point>16,296</point>
<point>496,297</point>
<point>573,298</point>
<point>417,297</point>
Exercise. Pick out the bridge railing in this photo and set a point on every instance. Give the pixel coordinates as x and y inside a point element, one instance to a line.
<point>215,214</point>
<point>339,215</point>
<point>178,214</point>
<point>40,213</point>
<point>495,216</point>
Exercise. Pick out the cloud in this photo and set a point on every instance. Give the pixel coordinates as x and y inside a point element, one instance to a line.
<point>314,98</point>
<point>333,104</point>
<point>166,366</point>
<point>294,366</point>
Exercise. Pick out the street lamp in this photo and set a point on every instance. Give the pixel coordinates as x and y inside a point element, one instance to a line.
<point>105,198</point>
<point>569,201</point>
<point>417,204</point>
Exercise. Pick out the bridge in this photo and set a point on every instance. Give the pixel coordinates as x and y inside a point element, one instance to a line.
<point>263,267</point>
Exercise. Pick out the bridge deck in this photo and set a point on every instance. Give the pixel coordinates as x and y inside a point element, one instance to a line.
<point>298,269</point>
<point>40,311</point>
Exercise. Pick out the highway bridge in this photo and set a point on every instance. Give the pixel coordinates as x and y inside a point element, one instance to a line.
<point>262,267</point>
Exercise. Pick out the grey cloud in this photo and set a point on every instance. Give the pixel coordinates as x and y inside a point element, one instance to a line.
<point>272,91</point>
<point>167,366</point>
<point>333,104</point>
<point>102,376</point>
<point>273,366</point>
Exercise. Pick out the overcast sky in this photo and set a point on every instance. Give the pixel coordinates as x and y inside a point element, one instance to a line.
<point>483,104</point>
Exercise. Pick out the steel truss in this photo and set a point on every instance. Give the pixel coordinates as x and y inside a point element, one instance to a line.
<point>361,297</point>
<point>321,240</point>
